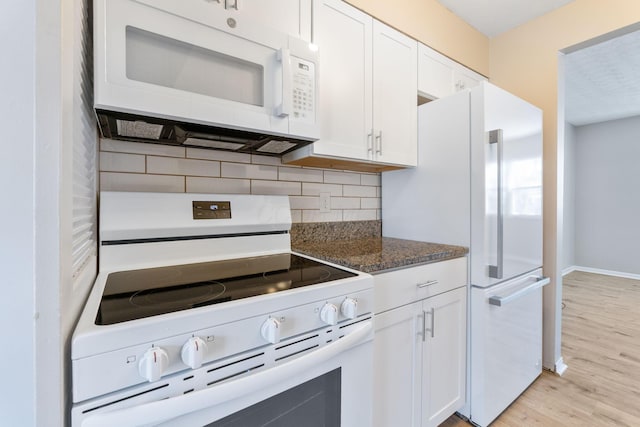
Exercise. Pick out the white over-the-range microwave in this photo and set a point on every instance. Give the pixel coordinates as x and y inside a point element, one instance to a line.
<point>201,73</point>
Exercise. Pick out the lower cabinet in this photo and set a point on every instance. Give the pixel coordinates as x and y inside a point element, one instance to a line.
<point>420,356</point>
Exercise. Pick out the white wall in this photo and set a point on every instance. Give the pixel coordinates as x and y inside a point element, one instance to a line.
<point>40,298</point>
<point>569,229</point>
<point>607,198</point>
<point>17,216</point>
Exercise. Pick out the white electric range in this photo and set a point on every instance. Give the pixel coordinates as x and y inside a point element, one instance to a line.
<point>202,315</point>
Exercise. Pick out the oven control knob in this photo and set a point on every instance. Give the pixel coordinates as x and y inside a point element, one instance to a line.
<point>193,352</point>
<point>349,308</point>
<point>153,364</point>
<point>271,330</point>
<point>329,314</point>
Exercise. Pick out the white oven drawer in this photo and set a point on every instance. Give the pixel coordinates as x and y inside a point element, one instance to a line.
<point>407,285</point>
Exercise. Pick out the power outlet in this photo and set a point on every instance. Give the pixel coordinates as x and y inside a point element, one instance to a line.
<point>325,202</point>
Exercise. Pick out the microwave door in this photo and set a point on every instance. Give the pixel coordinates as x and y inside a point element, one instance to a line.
<point>161,64</point>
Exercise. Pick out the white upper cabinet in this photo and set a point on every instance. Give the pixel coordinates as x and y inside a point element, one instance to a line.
<point>368,87</point>
<point>395,115</point>
<point>439,76</point>
<point>288,16</point>
<point>343,35</point>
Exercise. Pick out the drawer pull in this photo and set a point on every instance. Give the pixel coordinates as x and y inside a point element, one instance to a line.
<point>427,283</point>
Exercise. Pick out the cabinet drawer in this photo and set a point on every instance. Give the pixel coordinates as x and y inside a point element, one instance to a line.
<point>404,286</point>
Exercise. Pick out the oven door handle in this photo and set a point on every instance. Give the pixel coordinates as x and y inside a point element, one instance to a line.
<point>153,413</point>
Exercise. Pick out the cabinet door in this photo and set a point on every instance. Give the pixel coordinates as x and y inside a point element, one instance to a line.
<point>435,73</point>
<point>343,36</point>
<point>444,356</point>
<point>395,86</point>
<point>466,79</point>
<point>397,352</point>
<point>288,16</point>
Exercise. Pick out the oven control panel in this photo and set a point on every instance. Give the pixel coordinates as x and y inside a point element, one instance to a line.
<point>151,361</point>
<point>204,209</point>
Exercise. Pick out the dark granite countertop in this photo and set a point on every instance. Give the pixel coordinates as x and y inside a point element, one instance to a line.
<point>378,254</point>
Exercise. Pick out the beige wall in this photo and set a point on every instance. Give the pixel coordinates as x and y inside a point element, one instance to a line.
<point>524,61</point>
<point>434,25</point>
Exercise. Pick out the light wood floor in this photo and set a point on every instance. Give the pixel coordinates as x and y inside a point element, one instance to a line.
<point>601,346</point>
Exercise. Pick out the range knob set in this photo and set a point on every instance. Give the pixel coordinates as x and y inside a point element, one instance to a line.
<point>155,360</point>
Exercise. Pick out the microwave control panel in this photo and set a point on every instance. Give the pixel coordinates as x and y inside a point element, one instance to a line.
<point>304,90</point>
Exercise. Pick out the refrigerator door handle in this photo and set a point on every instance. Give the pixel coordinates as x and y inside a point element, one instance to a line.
<point>496,271</point>
<point>502,300</point>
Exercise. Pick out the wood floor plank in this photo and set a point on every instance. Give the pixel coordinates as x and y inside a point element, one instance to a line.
<point>601,346</point>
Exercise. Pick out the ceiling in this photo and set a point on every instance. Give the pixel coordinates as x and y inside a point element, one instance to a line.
<point>602,81</point>
<point>492,17</point>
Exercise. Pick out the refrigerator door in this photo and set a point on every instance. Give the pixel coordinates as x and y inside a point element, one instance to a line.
<point>506,343</point>
<point>506,186</point>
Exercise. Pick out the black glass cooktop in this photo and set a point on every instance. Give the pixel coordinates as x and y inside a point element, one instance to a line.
<point>130,295</point>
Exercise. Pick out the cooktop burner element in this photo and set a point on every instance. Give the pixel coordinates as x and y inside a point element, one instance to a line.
<point>135,294</point>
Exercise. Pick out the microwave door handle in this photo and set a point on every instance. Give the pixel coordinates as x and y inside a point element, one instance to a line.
<point>153,413</point>
<point>284,109</point>
<point>496,271</point>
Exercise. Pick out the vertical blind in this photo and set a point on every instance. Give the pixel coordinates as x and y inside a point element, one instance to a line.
<point>84,176</point>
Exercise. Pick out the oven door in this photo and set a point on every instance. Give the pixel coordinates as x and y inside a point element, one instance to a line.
<point>328,387</point>
<point>193,62</point>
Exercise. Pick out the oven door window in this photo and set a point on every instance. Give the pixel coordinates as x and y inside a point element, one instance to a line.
<point>315,403</point>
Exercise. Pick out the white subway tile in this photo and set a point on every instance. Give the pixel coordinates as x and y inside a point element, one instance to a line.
<point>370,179</point>
<point>370,203</point>
<point>299,174</point>
<point>275,187</point>
<point>141,148</point>
<point>359,191</point>
<point>358,214</point>
<point>333,177</point>
<point>218,185</point>
<point>113,181</point>
<point>314,189</point>
<point>265,160</point>
<point>173,166</point>
<point>119,162</point>
<point>237,170</point>
<point>317,216</point>
<point>296,215</point>
<point>345,203</point>
<point>224,156</point>
<point>378,191</point>
<point>304,202</point>
<point>379,214</point>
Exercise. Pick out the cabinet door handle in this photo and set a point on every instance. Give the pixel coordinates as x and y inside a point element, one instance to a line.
<point>433,322</point>
<point>424,326</point>
<point>231,4</point>
<point>427,283</point>
<point>370,142</point>
<point>379,143</point>
<point>432,312</point>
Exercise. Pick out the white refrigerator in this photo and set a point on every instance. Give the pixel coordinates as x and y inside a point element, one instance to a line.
<point>478,183</point>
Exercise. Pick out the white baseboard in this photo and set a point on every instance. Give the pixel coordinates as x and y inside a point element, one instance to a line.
<point>561,367</point>
<point>600,271</point>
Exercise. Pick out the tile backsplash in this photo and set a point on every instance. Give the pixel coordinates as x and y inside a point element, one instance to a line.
<point>133,166</point>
